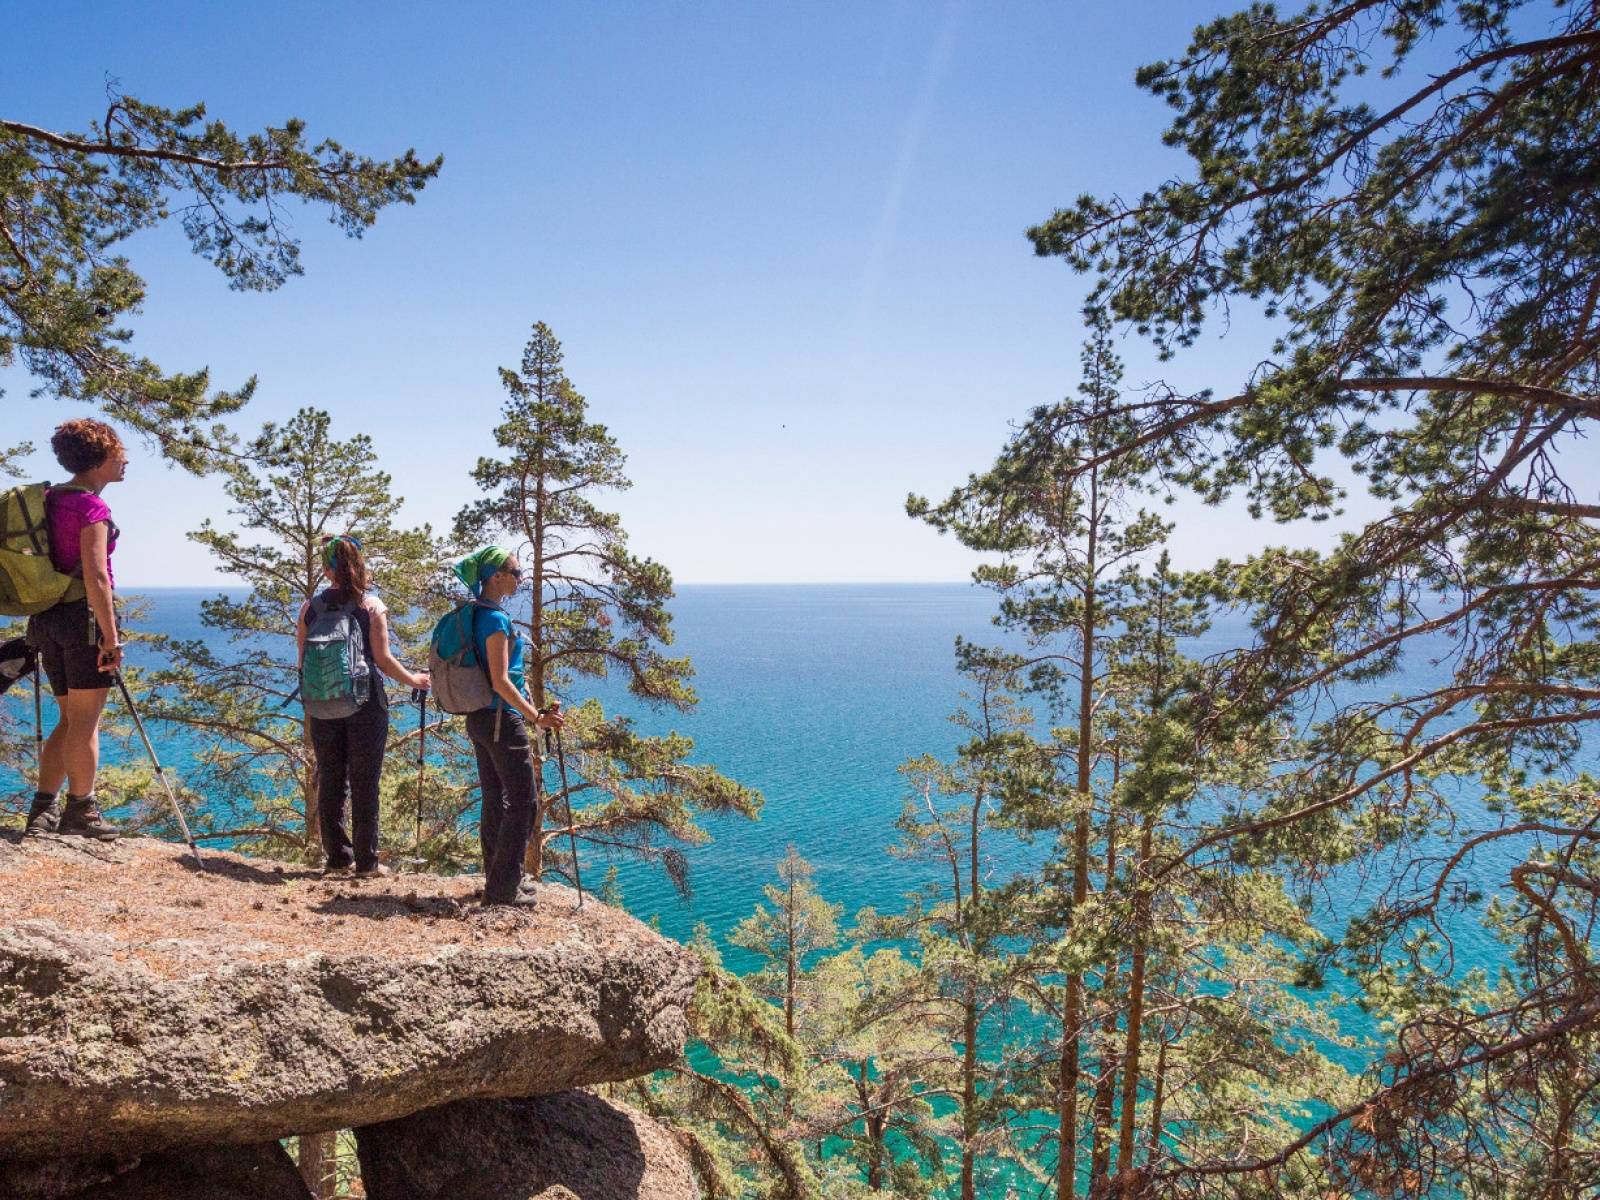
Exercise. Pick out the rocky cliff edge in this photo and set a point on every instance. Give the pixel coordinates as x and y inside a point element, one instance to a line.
<point>146,1004</point>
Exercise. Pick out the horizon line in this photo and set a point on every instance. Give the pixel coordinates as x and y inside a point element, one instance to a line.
<point>134,588</point>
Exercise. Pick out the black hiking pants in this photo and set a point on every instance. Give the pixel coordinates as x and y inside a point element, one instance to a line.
<point>505,772</point>
<point>349,762</point>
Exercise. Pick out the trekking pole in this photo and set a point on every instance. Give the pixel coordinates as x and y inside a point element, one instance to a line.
<point>38,720</point>
<point>421,697</point>
<point>161,772</point>
<point>572,822</point>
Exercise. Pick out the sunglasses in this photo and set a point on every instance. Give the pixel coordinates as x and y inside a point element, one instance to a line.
<point>514,572</point>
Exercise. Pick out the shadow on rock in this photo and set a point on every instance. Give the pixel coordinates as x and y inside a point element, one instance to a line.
<point>522,1149</point>
<point>259,1172</point>
<point>387,907</point>
<point>272,875</point>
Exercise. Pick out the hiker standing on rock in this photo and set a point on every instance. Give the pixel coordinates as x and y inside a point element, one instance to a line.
<point>499,732</point>
<point>77,640</point>
<point>342,636</point>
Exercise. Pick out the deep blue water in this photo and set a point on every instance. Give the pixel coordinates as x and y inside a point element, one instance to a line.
<point>812,694</point>
<point>815,695</point>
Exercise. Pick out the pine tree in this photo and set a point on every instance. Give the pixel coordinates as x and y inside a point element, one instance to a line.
<point>875,1063</point>
<point>965,981</point>
<point>731,1101</point>
<point>798,926</point>
<point>594,609</point>
<point>67,200</point>
<point>1429,266</point>
<point>1068,546</point>
<point>292,486</point>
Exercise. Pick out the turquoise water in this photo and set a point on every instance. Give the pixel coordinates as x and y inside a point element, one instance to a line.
<point>815,694</point>
<point>812,694</point>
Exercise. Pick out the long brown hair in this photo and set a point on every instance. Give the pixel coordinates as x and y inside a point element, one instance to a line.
<point>349,567</point>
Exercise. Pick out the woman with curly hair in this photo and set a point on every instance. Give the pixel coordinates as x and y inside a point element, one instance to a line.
<point>78,643</point>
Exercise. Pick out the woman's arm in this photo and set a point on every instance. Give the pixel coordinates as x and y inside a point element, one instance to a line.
<point>97,583</point>
<point>499,648</point>
<point>384,657</point>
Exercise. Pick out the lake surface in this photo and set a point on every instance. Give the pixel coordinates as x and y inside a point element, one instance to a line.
<point>815,695</point>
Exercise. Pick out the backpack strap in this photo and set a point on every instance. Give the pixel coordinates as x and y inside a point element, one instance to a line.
<point>37,532</point>
<point>483,657</point>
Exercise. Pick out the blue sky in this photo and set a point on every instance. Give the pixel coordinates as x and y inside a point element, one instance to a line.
<point>782,245</point>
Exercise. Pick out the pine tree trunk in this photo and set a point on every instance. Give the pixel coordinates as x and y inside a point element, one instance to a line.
<point>789,964</point>
<point>969,1055</point>
<point>533,857</point>
<point>1153,1142</point>
<point>875,1130</point>
<point>1105,1088</point>
<point>316,1162</point>
<point>1130,1054</point>
<point>969,1095</point>
<point>1067,1152</point>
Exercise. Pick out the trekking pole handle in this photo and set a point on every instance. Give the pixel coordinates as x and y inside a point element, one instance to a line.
<point>549,734</point>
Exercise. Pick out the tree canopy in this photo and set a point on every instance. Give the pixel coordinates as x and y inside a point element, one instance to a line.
<point>69,200</point>
<point>1405,190</point>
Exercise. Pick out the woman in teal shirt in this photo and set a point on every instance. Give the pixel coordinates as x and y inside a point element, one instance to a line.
<point>499,733</point>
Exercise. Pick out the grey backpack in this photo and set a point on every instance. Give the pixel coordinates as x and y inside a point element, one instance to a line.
<point>460,682</point>
<point>335,679</point>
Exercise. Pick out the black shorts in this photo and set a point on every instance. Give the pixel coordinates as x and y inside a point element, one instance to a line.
<point>68,639</point>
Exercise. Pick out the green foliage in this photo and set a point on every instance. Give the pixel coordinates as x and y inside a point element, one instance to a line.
<point>291,486</point>
<point>799,924</point>
<point>1405,188</point>
<point>594,608</point>
<point>727,1102</point>
<point>68,200</point>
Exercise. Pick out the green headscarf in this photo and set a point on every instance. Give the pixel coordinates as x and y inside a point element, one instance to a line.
<point>479,565</point>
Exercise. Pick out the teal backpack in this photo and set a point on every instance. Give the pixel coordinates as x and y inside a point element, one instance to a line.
<point>335,678</point>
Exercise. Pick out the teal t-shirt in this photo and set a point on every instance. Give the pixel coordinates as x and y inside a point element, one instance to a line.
<point>491,619</point>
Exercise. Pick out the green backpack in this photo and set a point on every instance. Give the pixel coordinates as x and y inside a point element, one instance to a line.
<point>29,581</point>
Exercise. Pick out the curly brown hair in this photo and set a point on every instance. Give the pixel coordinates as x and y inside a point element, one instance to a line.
<point>83,444</point>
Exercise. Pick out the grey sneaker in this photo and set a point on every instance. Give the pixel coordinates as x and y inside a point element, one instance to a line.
<point>82,818</point>
<point>375,871</point>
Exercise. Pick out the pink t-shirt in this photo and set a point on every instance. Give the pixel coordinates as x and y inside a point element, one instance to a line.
<point>70,513</point>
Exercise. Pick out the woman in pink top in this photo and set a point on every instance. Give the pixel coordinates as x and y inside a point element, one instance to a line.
<point>79,647</point>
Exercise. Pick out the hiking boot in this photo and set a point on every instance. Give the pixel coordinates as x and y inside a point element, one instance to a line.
<point>375,871</point>
<point>337,869</point>
<point>82,818</point>
<point>44,816</point>
<point>526,888</point>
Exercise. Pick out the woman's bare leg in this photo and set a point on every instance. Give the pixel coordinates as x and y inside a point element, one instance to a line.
<point>80,714</point>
